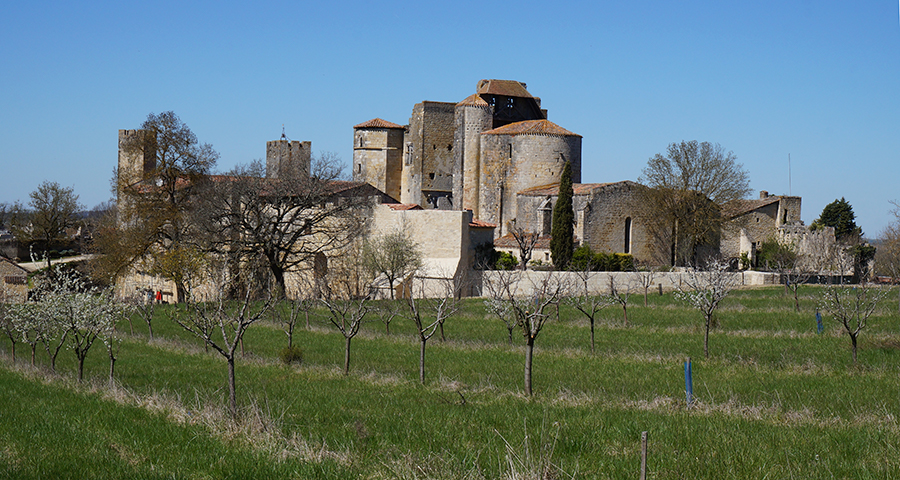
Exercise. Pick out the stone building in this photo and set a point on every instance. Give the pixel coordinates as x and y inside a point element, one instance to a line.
<point>472,155</point>
<point>756,221</point>
<point>609,217</point>
<point>13,282</point>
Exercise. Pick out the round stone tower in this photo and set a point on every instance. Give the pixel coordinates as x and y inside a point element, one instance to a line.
<point>520,156</point>
<point>378,155</point>
<point>473,117</point>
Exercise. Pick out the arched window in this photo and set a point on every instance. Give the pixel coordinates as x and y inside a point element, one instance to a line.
<point>627,235</point>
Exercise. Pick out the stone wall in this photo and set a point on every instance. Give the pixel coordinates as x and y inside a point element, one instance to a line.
<point>599,282</point>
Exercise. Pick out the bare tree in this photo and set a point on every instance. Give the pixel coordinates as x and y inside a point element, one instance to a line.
<point>288,220</point>
<point>53,209</point>
<point>221,323</point>
<point>529,311</point>
<point>688,186</point>
<point>525,240</point>
<point>887,257</point>
<point>395,255</point>
<point>644,276</point>
<point>496,288</point>
<point>580,297</point>
<point>347,316</point>
<point>851,307</point>
<point>707,288</point>
<point>620,296</point>
<point>387,311</point>
<point>439,308</point>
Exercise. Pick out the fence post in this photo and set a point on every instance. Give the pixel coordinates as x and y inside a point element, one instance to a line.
<point>644,455</point>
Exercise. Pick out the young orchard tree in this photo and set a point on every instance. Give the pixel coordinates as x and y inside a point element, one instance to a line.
<point>287,314</point>
<point>387,311</point>
<point>495,290</point>
<point>221,323</point>
<point>395,255</point>
<point>705,289</point>
<point>580,297</point>
<point>851,307</point>
<point>620,296</point>
<point>9,324</point>
<point>644,276</point>
<point>347,316</point>
<point>530,312</point>
<point>439,308</point>
<point>84,314</point>
<point>29,324</point>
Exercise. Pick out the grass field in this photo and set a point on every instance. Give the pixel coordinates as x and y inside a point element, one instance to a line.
<point>774,400</point>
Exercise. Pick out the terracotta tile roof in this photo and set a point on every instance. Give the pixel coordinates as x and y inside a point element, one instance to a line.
<point>474,100</point>
<point>378,123</point>
<point>740,207</point>
<point>404,206</point>
<point>577,188</point>
<point>532,127</point>
<point>508,88</point>
<point>481,224</point>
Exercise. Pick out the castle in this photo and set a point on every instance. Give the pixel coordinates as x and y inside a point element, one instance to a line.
<point>460,174</point>
<point>475,155</point>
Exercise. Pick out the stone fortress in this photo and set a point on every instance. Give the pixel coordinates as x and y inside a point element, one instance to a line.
<point>459,174</point>
<point>473,155</point>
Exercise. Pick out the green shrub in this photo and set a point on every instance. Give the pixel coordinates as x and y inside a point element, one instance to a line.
<point>506,261</point>
<point>625,262</point>
<point>582,259</point>
<point>289,355</point>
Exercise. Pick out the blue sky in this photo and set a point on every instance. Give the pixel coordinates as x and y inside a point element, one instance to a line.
<point>814,79</point>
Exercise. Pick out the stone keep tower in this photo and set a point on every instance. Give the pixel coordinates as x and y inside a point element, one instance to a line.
<point>287,156</point>
<point>137,156</point>
<point>378,155</point>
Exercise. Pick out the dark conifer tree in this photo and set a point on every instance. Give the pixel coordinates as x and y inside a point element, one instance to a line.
<point>563,228</point>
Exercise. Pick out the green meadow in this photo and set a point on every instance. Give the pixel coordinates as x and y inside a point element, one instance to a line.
<point>775,399</point>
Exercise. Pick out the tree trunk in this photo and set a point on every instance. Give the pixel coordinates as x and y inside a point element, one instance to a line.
<point>441,325</point>
<point>279,279</point>
<point>80,367</point>
<point>347,357</point>
<point>625,314</point>
<point>706,337</point>
<point>112,368</point>
<point>232,388</point>
<point>422,361</point>
<point>592,335</point>
<point>529,355</point>
<point>509,330</point>
<point>13,343</point>
<point>853,344</point>
<point>33,348</point>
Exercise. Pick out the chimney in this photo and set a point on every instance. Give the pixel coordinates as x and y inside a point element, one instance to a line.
<point>763,194</point>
